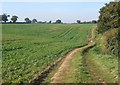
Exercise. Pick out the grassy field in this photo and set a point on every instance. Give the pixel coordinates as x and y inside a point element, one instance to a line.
<point>30,48</point>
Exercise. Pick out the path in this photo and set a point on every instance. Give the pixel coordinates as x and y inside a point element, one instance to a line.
<point>65,65</point>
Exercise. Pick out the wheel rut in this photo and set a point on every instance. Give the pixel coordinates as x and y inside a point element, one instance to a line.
<point>63,68</point>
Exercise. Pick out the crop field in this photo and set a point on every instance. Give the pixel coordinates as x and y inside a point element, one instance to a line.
<point>30,48</point>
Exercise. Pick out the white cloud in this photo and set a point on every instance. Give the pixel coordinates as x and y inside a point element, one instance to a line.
<point>56,0</point>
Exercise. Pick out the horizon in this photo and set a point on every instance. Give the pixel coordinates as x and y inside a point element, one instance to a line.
<point>67,12</point>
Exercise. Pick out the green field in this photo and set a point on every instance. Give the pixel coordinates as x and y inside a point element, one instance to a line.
<point>30,48</point>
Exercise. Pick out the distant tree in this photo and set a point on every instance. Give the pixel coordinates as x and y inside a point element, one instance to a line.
<point>94,21</point>
<point>44,22</point>
<point>14,18</point>
<point>8,15</point>
<point>39,21</point>
<point>50,22</point>
<point>0,18</point>
<point>10,21</point>
<point>27,20</point>
<point>78,21</point>
<point>58,21</point>
<point>4,17</point>
<point>34,21</point>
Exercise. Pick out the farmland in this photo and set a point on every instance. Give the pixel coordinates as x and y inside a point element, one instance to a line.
<point>30,48</point>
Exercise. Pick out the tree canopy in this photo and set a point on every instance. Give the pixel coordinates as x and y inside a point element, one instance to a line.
<point>0,18</point>
<point>109,17</point>
<point>27,20</point>
<point>58,21</point>
<point>4,17</point>
<point>78,21</point>
<point>34,21</point>
<point>50,22</point>
<point>14,18</point>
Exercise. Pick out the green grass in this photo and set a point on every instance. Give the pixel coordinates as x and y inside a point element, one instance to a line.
<point>105,65</point>
<point>29,48</point>
<point>77,71</point>
<point>89,67</point>
<point>100,55</point>
<point>81,72</point>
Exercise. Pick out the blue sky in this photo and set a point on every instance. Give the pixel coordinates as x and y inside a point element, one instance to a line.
<point>45,11</point>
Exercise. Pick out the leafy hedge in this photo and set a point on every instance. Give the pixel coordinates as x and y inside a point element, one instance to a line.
<point>109,17</point>
<point>109,26</point>
<point>110,41</point>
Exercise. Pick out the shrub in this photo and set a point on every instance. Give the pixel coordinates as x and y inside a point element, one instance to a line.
<point>109,17</point>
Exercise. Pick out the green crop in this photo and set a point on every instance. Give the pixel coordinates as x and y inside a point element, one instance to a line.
<point>30,48</point>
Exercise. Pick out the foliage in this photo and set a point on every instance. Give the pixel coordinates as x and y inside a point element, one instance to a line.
<point>50,22</point>
<point>27,20</point>
<point>34,21</point>
<point>0,18</point>
<point>109,41</point>
<point>109,17</point>
<point>58,21</point>
<point>4,17</point>
<point>78,21</point>
<point>14,18</point>
<point>94,21</point>
<point>108,25</point>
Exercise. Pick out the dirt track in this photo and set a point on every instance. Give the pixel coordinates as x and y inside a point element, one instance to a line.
<point>64,66</point>
<point>67,60</point>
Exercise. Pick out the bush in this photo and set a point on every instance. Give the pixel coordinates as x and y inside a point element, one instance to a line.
<point>109,17</point>
<point>110,41</point>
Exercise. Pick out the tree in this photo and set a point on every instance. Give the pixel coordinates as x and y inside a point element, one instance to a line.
<point>58,21</point>
<point>0,18</point>
<point>14,18</point>
<point>4,17</point>
<point>78,21</point>
<point>50,22</point>
<point>109,17</point>
<point>27,20</point>
<point>34,21</point>
<point>94,21</point>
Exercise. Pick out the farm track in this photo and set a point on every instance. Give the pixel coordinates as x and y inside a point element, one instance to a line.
<point>65,65</point>
<point>66,60</point>
<point>42,75</point>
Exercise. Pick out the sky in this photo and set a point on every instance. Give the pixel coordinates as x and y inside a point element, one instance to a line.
<point>44,10</point>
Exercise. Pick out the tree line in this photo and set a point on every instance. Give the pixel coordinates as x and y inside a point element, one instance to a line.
<point>4,19</point>
<point>109,26</point>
